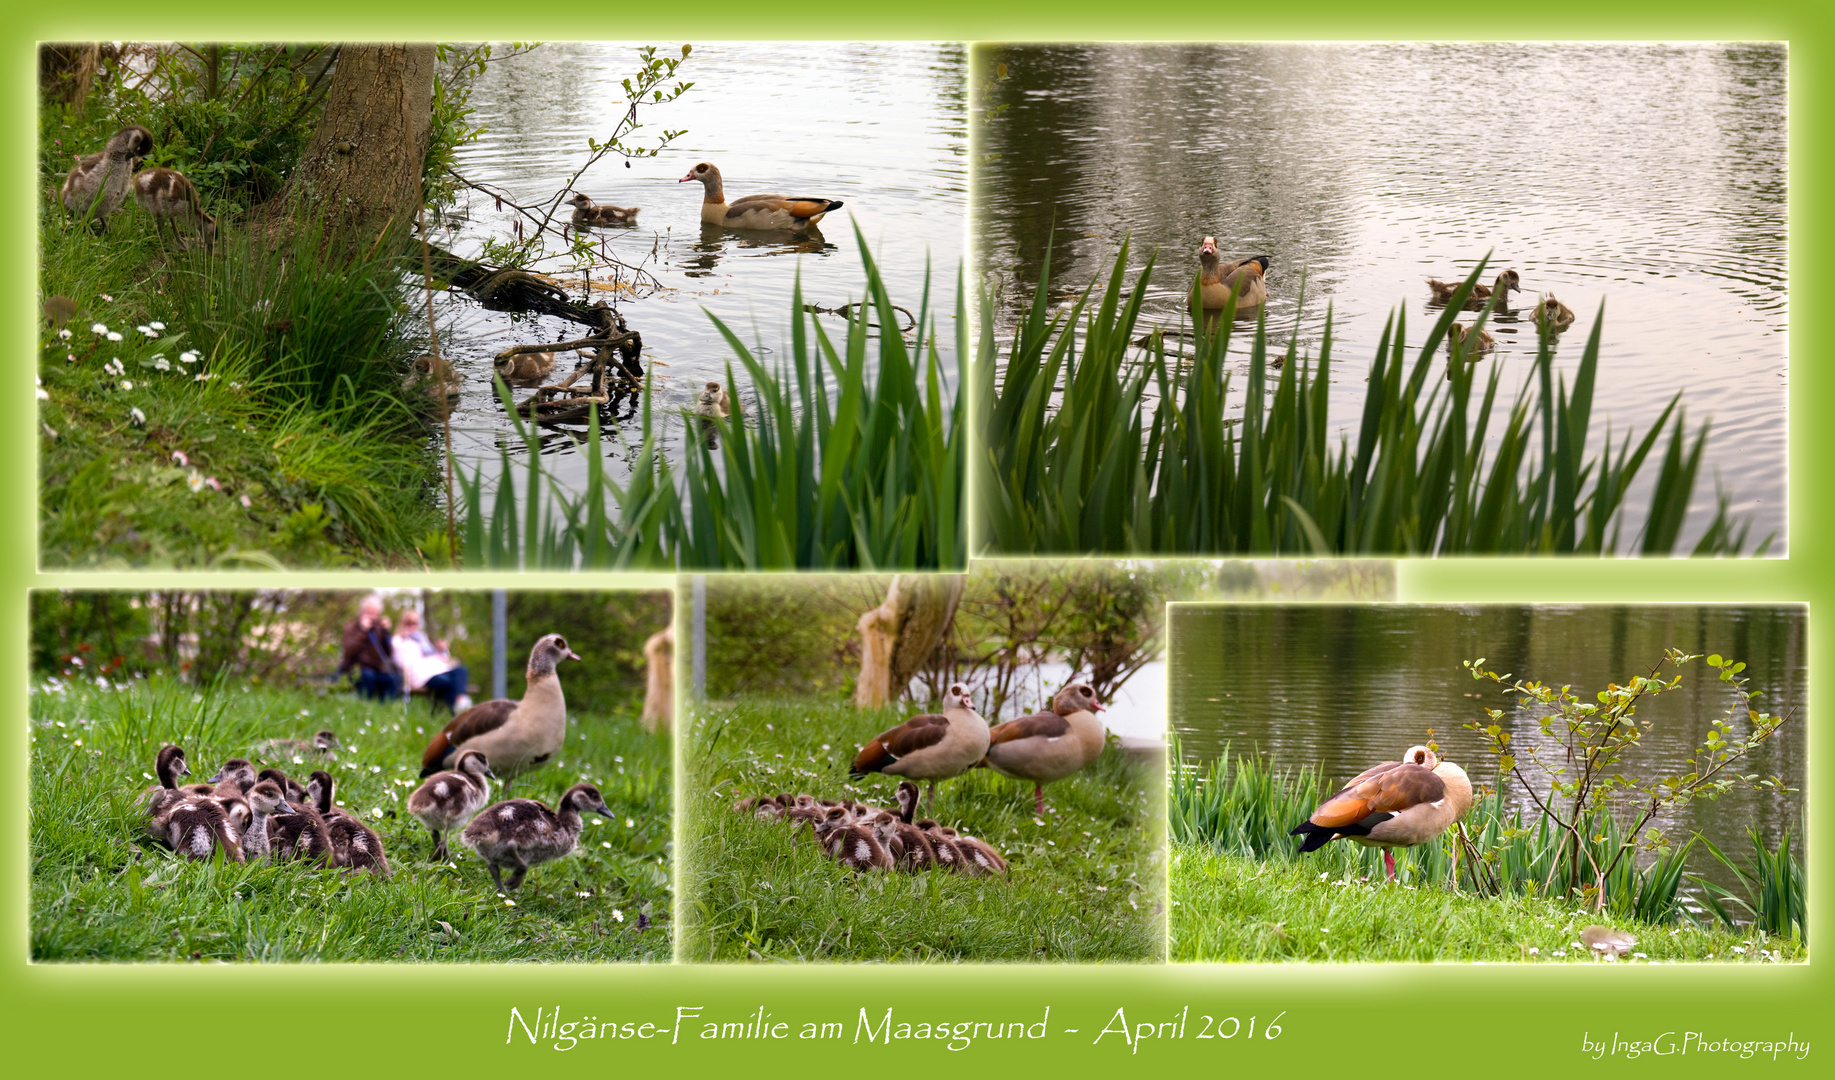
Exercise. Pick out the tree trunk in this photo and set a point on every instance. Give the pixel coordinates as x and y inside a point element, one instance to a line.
<point>898,636</point>
<point>659,694</point>
<point>67,71</point>
<point>362,168</point>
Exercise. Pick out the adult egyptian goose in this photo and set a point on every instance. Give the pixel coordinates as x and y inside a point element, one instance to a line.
<point>515,736</point>
<point>1395,804</point>
<point>1218,279</point>
<point>447,800</point>
<point>520,833</point>
<point>264,799</point>
<point>524,368</point>
<point>1553,314</point>
<point>587,212</point>
<point>1051,745</point>
<point>1443,290</point>
<point>930,747</point>
<point>760,212</point>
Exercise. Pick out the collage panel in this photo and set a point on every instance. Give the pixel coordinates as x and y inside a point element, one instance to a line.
<point>1541,784</point>
<point>399,775</point>
<point>940,768</point>
<point>1315,305</point>
<point>584,305</point>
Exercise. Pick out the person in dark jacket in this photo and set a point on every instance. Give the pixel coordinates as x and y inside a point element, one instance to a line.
<point>367,648</point>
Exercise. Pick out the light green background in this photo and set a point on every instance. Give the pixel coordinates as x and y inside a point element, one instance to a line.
<point>1457,1021</point>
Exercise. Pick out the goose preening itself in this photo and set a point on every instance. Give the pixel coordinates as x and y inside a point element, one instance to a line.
<point>1395,804</point>
<point>323,744</point>
<point>1051,745</point>
<point>520,833</point>
<point>429,375</point>
<point>587,212</point>
<point>1443,290</point>
<point>99,183</point>
<point>447,800</point>
<point>1553,313</point>
<point>712,403</point>
<point>524,368</point>
<point>930,747</point>
<point>757,212</point>
<point>515,736</point>
<point>1218,279</point>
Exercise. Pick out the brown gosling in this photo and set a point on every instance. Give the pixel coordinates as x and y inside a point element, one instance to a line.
<point>98,184</point>
<point>520,833</point>
<point>587,212</point>
<point>1553,314</point>
<point>323,744</point>
<point>264,799</point>
<point>301,832</point>
<point>447,800</point>
<point>1443,290</point>
<point>354,845</point>
<point>172,200</point>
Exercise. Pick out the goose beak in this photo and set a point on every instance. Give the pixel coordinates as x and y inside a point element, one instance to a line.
<point>571,655</point>
<point>687,178</point>
<point>1097,706</point>
<point>286,807</point>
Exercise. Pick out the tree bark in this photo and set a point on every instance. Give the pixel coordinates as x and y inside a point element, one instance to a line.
<point>659,694</point>
<point>362,167</point>
<point>898,636</point>
<point>67,71</point>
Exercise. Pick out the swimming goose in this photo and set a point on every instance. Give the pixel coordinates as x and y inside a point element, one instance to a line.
<point>434,377</point>
<point>930,747</point>
<point>524,369</point>
<point>1482,342</point>
<point>1506,281</point>
<point>264,799</point>
<point>520,833</point>
<point>712,403</point>
<point>755,211</point>
<point>515,736</point>
<point>447,800</point>
<point>1553,313</point>
<point>1217,280</point>
<point>1051,745</point>
<point>98,183</point>
<point>587,212</point>
<point>1395,804</point>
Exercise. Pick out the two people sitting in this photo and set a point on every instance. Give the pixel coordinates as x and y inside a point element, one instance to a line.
<point>385,659</point>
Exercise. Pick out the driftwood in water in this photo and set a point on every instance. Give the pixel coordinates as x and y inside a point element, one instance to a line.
<point>614,351</point>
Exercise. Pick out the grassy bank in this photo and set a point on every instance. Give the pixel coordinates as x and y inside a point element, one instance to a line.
<point>1084,883</point>
<point>1227,908</point>
<point>101,892</point>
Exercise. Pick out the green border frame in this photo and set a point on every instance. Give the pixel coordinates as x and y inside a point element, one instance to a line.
<point>159,1020</point>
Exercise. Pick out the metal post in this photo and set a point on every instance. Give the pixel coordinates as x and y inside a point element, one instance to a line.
<point>500,646</point>
<point>698,676</point>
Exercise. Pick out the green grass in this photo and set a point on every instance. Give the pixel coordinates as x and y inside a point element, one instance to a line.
<point>1232,909</point>
<point>1122,449</point>
<point>99,892</point>
<point>1084,883</point>
<point>870,480</point>
<point>263,424</point>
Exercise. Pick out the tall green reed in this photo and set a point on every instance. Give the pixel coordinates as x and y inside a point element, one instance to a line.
<point>871,479</point>
<point>1077,458</point>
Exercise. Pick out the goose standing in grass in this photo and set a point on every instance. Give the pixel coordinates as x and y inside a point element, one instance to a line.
<point>930,747</point>
<point>171,199</point>
<point>515,736</point>
<point>264,799</point>
<point>755,212</point>
<point>98,183</point>
<point>1218,279</point>
<point>1395,804</point>
<point>1553,314</point>
<point>323,745</point>
<point>1050,745</point>
<point>1506,282</point>
<point>519,833</point>
<point>447,800</point>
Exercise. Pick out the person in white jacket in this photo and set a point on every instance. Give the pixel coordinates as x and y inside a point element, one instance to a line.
<point>427,664</point>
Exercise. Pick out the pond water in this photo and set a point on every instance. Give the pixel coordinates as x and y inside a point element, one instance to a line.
<point>878,125</point>
<point>1649,178</point>
<point>1346,687</point>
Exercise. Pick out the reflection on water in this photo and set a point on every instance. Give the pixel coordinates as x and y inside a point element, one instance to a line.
<point>878,125</point>
<point>1650,178</point>
<point>1344,687</point>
